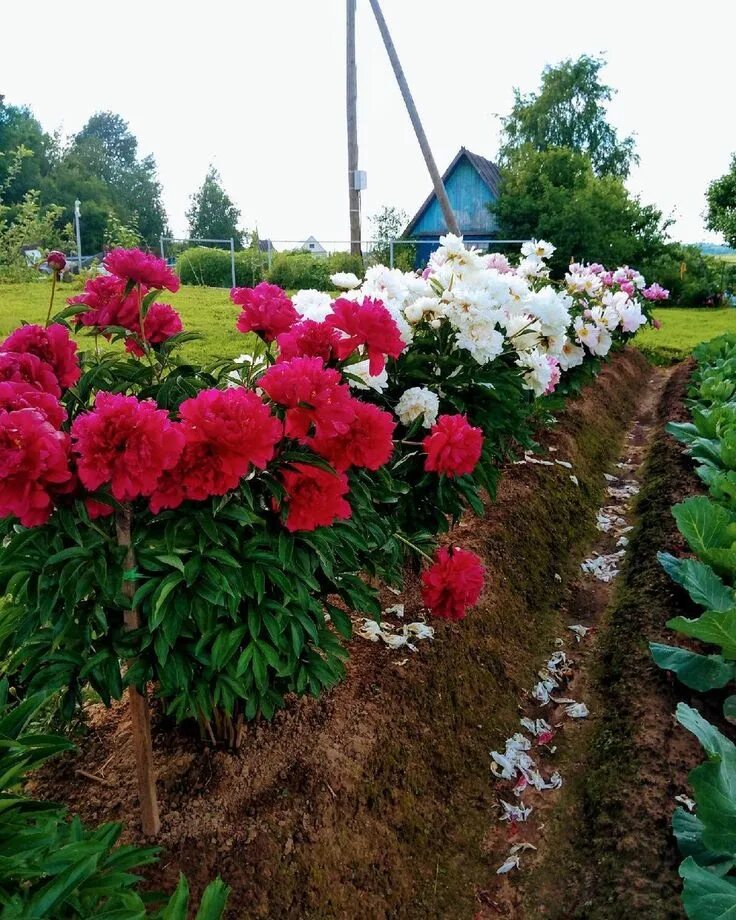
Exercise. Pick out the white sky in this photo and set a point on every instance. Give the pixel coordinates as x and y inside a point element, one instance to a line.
<point>258,89</point>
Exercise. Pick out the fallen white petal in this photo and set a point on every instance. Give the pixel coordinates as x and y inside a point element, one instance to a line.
<point>512,862</point>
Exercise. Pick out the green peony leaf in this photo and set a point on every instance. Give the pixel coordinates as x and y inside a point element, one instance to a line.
<point>699,672</point>
<point>705,895</point>
<point>699,580</point>
<point>715,627</point>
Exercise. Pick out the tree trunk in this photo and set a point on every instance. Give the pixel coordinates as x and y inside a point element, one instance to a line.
<point>140,716</point>
<point>352,117</point>
<point>439,188</point>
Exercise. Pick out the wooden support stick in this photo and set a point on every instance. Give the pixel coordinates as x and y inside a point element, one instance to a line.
<point>140,716</point>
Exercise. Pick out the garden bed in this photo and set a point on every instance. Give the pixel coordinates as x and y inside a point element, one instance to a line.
<point>379,794</point>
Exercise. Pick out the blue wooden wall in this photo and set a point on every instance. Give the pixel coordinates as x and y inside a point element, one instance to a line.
<point>469,196</point>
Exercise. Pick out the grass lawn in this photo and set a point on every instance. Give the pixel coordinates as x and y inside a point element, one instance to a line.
<point>682,329</point>
<point>209,312</point>
<point>204,310</point>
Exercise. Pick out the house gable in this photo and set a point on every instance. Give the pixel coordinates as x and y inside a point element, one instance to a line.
<point>471,182</point>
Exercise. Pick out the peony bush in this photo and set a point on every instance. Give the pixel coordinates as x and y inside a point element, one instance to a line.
<point>212,527</point>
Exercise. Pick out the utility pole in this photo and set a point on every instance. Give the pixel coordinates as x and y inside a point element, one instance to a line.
<point>352,113</point>
<point>439,188</point>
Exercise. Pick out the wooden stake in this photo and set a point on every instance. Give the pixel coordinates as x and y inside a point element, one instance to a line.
<point>439,187</point>
<point>140,716</point>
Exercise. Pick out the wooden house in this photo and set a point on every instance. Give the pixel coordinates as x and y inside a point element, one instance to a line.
<point>472,184</point>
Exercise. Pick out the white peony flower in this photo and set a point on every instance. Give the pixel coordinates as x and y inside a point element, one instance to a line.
<point>583,282</point>
<point>523,331</point>
<point>539,249</point>
<point>367,381</point>
<point>532,267</point>
<point>386,284</point>
<point>312,304</point>
<point>571,355</point>
<point>345,280</point>
<point>551,309</point>
<point>538,371</point>
<point>416,402</point>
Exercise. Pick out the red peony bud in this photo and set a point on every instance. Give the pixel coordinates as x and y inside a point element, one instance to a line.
<point>56,260</point>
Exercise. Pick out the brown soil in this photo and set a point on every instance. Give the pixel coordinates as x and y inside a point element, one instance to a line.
<point>374,801</point>
<point>606,850</point>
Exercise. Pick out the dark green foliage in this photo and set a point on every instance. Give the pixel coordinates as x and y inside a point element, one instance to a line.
<point>555,194</point>
<point>692,278</point>
<point>707,838</point>
<point>569,110</point>
<point>212,267</point>
<point>212,214</point>
<point>721,197</point>
<point>296,270</point>
<point>52,866</point>
<point>100,166</point>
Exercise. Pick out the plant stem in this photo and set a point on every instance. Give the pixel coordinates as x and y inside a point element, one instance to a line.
<point>53,291</point>
<point>414,547</point>
<point>140,715</point>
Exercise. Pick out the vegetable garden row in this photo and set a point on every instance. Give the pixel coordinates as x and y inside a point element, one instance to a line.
<point>706,829</point>
<point>207,531</point>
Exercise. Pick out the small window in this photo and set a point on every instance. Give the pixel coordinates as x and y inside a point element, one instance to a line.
<point>311,245</point>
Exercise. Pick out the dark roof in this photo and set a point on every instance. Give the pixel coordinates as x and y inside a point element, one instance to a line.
<point>486,169</point>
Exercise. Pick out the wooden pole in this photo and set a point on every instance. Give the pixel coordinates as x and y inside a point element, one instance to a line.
<point>439,188</point>
<point>352,118</point>
<point>140,716</point>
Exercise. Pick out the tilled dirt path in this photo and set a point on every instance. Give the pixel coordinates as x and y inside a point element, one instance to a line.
<point>600,846</point>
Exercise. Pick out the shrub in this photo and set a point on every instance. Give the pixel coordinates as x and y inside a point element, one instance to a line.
<point>211,267</point>
<point>693,279</point>
<point>293,270</point>
<point>345,262</point>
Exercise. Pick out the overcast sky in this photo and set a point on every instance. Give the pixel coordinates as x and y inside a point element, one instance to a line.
<point>258,89</point>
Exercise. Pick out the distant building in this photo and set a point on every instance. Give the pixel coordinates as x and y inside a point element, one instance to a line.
<point>313,246</point>
<point>472,184</point>
<point>266,246</point>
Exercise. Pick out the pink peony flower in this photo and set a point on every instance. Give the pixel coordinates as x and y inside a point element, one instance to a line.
<point>160,324</point>
<point>453,583</point>
<point>56,260</point>
<point>28,368</point>
<point>308,339</point>
<point>368,442</point>
<point>314,498</point>
<point>314,397</point>
<point>655,292</point>
<point>267,310</point>
<point>368,324</point>
<point>226,432</point>
<point>453,446</point>
<point>138,267</point>
<point>17,394</point>
<point>555,376</point>
<point>126,443</point>
<point>52,345</point>
<point>34,465</point>
<point>108,303</point>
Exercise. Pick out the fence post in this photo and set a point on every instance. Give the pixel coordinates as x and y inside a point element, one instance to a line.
<point>391,254</point>
<point>161,243</point>
<point>232,260</point>
<point>268,250</point>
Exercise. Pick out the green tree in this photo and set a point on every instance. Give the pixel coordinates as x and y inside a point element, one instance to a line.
<point>212,214</point>
<point>721,212</point>
<point>555,195</point>
<point>569,110</point>
<point>20,130</point>
<point>389,224</point>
